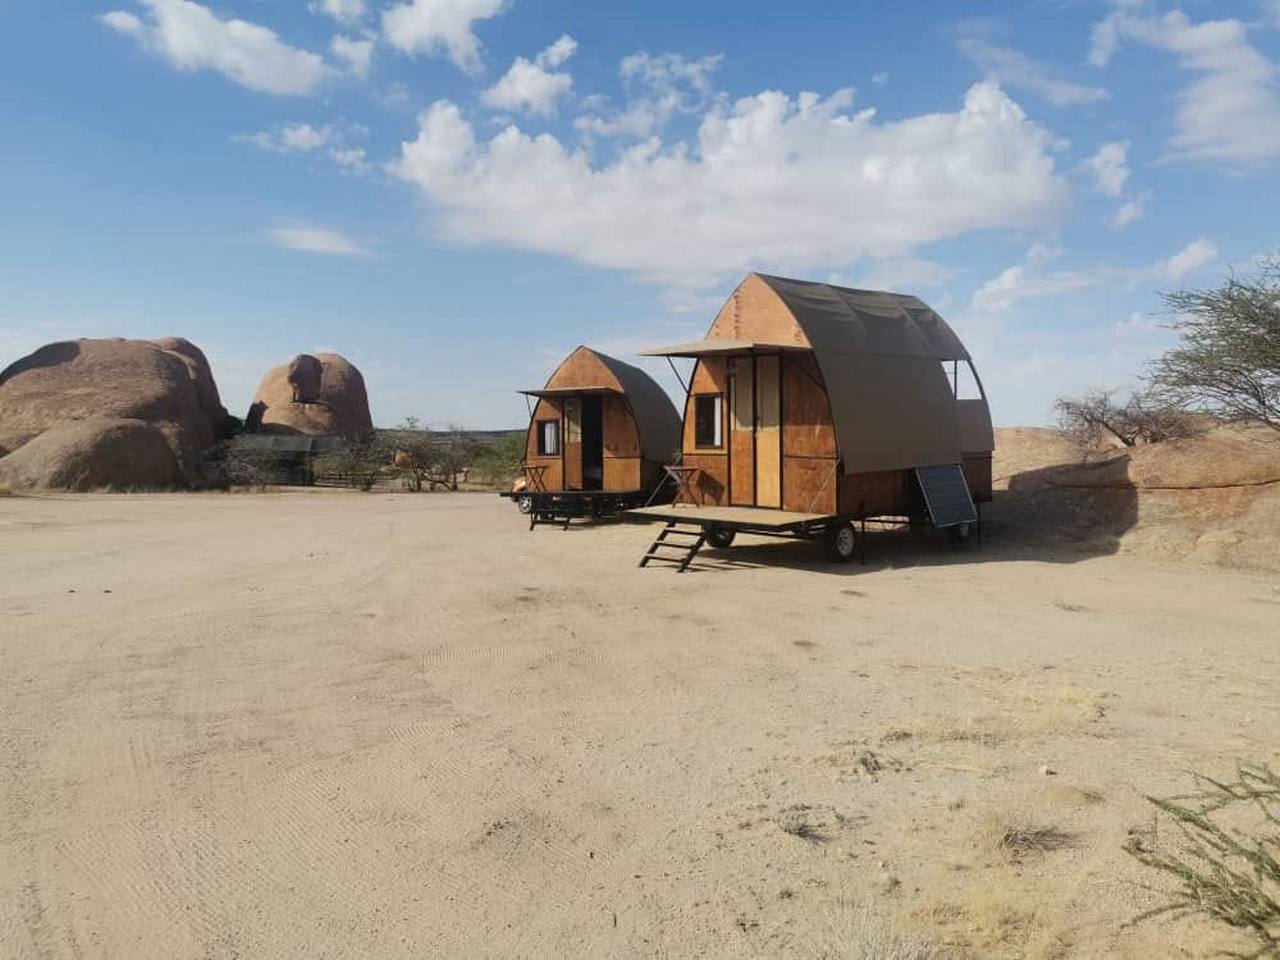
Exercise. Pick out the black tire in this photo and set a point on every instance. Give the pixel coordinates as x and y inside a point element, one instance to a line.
<point>842,543</point>
<point>720,538</point>
<point>524,504</point>
<point>960,532</point>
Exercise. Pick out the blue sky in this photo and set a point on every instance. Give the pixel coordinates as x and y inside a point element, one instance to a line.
<point>454,193</point>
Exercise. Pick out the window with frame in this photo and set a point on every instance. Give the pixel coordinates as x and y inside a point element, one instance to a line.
<point>708,422</point>
<point>548,438</point>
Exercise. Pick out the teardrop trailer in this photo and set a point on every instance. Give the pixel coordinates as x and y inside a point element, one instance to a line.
<point>599,433</point>
<point>813,408</point>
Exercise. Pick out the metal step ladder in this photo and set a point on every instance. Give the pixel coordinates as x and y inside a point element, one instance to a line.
<point>683,550</point>
<point>946,495</point>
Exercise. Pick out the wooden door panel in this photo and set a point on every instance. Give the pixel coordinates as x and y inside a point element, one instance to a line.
<point>742,421</point>
<point>768,432</point>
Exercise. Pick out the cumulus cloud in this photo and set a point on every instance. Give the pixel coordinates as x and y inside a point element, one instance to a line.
<point>534,85</point>
<point>1014,69</point>
<point>770,182</point>
<point>1232,112</point>
<point>305,138</point>
<point>1196,254</point>
<point>1109,168</point>
<point>313,239</point>
<point>1030,279</point>
<point>658,86</point>
<point>357,54</point>
<point>190,38</point>
<point>904,274</point>
<point>1128,212</point>
<point>344,11</point>
<point>435,26</point>
<point>289,138</point>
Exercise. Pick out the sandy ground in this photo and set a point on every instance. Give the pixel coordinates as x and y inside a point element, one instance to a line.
<point>342,725</point>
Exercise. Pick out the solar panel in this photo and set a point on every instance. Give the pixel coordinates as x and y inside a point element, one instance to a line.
<point>946,494</point>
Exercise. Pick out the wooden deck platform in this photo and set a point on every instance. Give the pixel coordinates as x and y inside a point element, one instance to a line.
<point>739,518</point>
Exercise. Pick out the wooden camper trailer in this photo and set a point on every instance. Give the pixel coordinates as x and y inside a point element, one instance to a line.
<point>811,405</point>
<point>600,432</point>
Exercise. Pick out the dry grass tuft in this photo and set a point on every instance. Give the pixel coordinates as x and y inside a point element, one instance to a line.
<point>1017,833</point>
<point>1021,838</point>
<point>797,821</point>
<point>851,932</point>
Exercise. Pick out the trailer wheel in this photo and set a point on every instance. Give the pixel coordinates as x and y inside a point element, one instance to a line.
<point>960,532</point>
<point>720,538</point>
<point>842,542</point>
<point>524,504</point>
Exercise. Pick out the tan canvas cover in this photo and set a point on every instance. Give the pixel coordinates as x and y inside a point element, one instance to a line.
<point>880,355</point>
<point>881,358</point>
<point>657,422</point>
<point>656,417</point>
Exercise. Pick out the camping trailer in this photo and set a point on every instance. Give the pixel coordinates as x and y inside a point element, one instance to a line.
<point>811,406</point>
<point>600,432</point>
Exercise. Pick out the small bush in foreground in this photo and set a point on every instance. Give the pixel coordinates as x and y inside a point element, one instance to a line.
<point>1226,861</point>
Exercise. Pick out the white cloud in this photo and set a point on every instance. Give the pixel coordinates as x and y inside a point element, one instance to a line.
<point>1109,168</point>
<point>534,85</point>
<point>1030,280</point>
<point>1193,256</point>
<point>1232,112</point>
<point>771,182</point>
<point>1016,70</point>
<point>190,38</point>
<point>312,239</point>
<point>357,54</point>
<point>289,138</point>
<point>432,26</point>
<point>904,274</point>
<point>880,79</point>
<point>344,11</point>
<point>1128,212</point>
<point>351,159</point>
<point>657,87</point>
<point>1024,281</point>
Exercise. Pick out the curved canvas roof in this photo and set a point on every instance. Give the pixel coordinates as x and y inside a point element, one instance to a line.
<point>880,355</point>
<point>656,417</point>
<point>657,421</point>
<point>867,321</point>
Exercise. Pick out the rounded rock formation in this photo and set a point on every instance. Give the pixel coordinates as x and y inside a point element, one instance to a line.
<point>165,384</point>
<point>318,395</point>
<point>94,453</point>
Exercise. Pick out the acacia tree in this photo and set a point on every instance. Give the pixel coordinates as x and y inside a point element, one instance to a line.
<point>1228,362</point>
<point>1090,419</point>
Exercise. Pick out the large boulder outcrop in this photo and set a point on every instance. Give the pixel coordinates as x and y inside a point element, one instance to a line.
<point>94,453</point>
<point>316,395</point>
<point>165,384</point>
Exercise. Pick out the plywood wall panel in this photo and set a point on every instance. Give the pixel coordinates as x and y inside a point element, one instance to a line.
<point>754,312</point>
<point>712,484</point>
<point>881,493</point>
<point>621,439</point>
<point>807,429</point>
<point>622,474</point>
<point>809,485</point>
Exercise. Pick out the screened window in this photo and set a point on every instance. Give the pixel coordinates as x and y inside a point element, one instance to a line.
<point>548,438</point>
<point>707,420</point>
<point>962,380</point>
